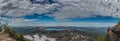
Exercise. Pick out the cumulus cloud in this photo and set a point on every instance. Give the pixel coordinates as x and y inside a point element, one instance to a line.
<point>70,9</point>
<point>15,21</point>
<point>88,8</point>
<point>18,8</point>
<point>66,8</point>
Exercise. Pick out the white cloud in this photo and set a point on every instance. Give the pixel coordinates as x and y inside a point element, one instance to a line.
<point>17,21</point>
<point>88,8</point>
<point>70,9</point>
<point>18,8</point>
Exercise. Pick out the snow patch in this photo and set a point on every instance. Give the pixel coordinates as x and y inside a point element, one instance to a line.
<point>37,38</point>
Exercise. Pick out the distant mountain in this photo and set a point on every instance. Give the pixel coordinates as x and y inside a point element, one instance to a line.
<point>93,32</point>
<point>64,35</point>
<point>58,33</point>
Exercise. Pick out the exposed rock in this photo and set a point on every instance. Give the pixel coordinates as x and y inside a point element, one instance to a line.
<point>6,37</point>
<point>73,35</point>
<point>113,33</point>
<point>8,34</point>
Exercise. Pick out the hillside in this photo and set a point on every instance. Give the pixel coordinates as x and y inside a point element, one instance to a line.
<point>6,37</point>
<point>8,34</point>
<point>114,33</point>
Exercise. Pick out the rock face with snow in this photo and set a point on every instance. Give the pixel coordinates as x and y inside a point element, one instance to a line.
<point>38,38</point>
<point>73,35</point>
<point>114,33</point>
<point>65,35</point>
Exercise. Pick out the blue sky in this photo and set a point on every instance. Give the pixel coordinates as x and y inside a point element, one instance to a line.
<point>85,13</point>
<point>102,19</point>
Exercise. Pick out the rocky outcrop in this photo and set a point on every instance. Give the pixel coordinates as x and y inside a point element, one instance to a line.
<point>6,37</point>
<point>73,35</point>
<point>113,33</point>
<point>8,34</point>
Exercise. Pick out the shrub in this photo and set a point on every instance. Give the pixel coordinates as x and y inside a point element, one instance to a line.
<point>101,38</point>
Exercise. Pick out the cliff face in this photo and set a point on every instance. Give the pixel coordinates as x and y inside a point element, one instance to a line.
<point>113,33</point>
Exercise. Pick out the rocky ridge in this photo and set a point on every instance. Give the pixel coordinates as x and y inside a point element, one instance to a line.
<point>114,33</point>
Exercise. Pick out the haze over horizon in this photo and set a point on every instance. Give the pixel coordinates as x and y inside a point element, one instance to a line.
<point>83,13</point>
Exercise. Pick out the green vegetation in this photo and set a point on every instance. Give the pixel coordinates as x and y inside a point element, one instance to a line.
<point>101,38</point>
<point>119,23</point>
<point>7,30</point>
